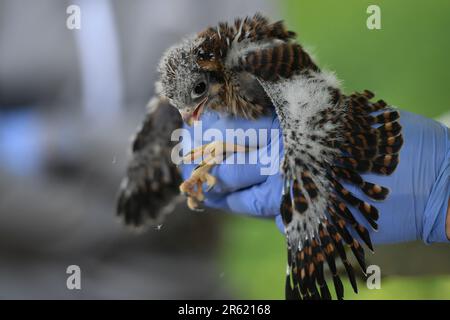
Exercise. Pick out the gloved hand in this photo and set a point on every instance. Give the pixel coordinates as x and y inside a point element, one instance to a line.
<point>419,189</point>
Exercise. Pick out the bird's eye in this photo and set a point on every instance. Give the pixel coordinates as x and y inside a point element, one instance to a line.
<point>199,89</point>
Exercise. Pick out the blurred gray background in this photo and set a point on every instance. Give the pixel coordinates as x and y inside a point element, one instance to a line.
<point>69,102</point>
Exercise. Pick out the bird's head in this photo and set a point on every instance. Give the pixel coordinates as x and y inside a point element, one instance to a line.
<point>188,87</point>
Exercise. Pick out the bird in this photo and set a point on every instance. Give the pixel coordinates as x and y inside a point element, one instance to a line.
<point>248,68</point>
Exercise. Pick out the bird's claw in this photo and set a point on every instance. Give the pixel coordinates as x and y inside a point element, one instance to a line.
<point>194,205</point>
<point>193,186</point>
<point>211,155</point>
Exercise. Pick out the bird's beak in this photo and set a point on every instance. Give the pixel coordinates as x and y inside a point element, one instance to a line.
<point>190,117</point>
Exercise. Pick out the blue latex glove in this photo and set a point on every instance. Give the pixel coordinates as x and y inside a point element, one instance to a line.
<point>419,189</point>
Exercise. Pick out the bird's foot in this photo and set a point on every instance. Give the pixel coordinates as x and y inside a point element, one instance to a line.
<point>211,154</point>
<point>192,187</point>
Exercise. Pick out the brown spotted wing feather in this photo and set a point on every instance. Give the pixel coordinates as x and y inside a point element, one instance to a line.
<point>315,204</point>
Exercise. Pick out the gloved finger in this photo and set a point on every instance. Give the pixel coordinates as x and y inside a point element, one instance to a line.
<point>253,168</point>
<point>217,201</point>
<point>279,223</point>
<point>242,170</point>
<point>260,200</point>
<point>232,177</point>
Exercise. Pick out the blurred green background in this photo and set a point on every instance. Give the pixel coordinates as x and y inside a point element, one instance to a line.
<point>407,64</point>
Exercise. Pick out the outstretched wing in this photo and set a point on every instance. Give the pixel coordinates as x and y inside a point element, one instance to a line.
<point>151,183</point>
<point>329,138</point>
